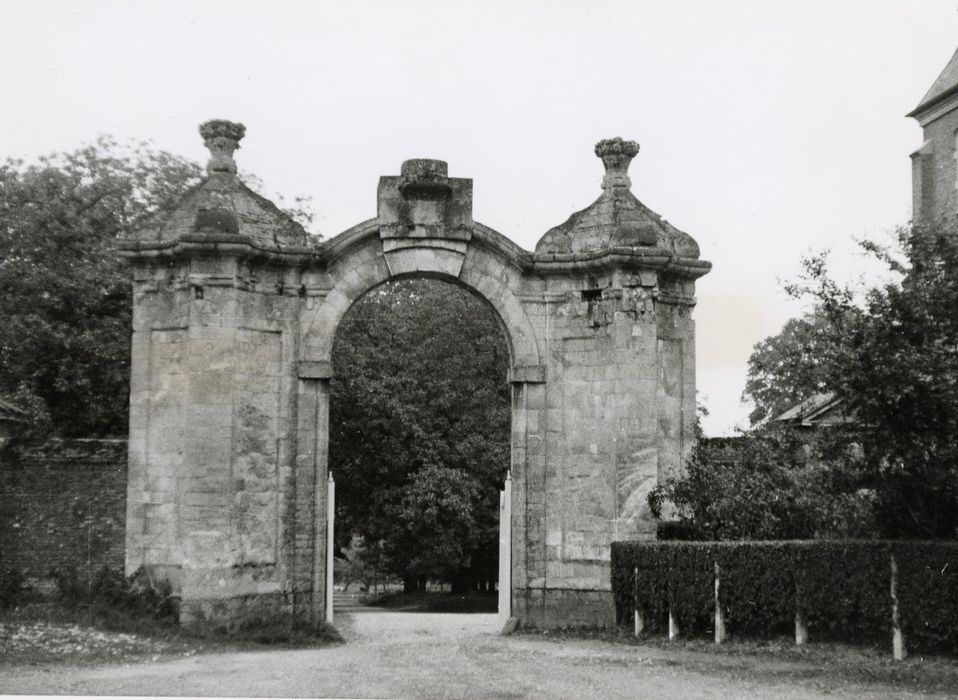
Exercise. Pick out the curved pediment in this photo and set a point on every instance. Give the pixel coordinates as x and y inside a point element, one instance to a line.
<point>481,235</point>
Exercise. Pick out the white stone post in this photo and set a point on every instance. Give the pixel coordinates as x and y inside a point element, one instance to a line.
<point>899,653</point>
<point>639,620</point>
<point>801,621</point>
<point>330,562</point>
<point>673,625</point>
<point>505,551</point>
<point>719,615</point>
<point>801,627</point>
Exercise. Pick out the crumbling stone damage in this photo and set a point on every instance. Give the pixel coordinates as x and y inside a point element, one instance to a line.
<point>235,312</point>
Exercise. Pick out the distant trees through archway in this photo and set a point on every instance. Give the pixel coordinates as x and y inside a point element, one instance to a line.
<point>419,434</point>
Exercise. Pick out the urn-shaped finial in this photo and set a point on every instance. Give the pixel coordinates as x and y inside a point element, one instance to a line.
<point>222,139</point>
<point>616,155</point>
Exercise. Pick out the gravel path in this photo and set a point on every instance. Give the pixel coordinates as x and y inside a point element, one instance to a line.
<point>393,654</point>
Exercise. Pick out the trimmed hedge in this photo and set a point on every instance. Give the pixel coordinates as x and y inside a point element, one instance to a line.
<point>11,587</point>
<point>842,586</point>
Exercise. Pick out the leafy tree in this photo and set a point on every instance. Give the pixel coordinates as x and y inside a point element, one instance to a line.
<point>362,563</point>
<point>776,484</point>
<point>64,293</point>
<point>419,429</point>
<point>788,367</point>
<point>434,516</point>
<point>894,361</point>
<point>890,353</point>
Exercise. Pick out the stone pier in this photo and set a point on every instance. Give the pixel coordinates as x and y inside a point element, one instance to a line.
<point>235,312</point>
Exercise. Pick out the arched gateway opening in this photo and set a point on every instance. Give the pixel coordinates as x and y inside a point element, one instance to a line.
<point>419,445</point>
<point>235,316</point>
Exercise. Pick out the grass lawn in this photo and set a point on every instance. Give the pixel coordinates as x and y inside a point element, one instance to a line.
<point>780,659</point>
<point>44,632</point>
<point>439,602</point>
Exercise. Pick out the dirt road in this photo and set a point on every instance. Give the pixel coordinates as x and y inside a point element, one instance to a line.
<point>393,654</point>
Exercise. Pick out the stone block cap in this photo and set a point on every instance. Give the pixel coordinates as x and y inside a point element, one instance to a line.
<point>222,207</point>
<point>222,138</point>
<point>616,155</point>
<point>616,220</point>
<point>424,177</point>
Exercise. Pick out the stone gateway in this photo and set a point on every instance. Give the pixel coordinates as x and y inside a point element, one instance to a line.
<point>235,313</point>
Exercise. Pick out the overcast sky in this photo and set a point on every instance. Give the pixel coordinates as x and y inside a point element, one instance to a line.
<point>768,129</point>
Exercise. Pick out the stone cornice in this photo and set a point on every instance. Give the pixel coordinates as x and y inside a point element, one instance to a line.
<point>202,245</point>
<point>640,258</point>
<point>491,239</point>
<point>936,110</point>
<point>228,245</point>
<point>340,244</point>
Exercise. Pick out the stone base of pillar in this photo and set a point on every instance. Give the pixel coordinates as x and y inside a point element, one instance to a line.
<point>553,608</point>
<point>234,613</point>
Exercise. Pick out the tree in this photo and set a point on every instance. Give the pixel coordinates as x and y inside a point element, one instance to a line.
<point>419,429</point>
<point>775,484</point>
<point>435,524</point>
<point>894,361</point>
<point>890,354</point>
<point>789,367</point>
<point>64,292</point>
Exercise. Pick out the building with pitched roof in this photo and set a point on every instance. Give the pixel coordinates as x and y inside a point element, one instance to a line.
<point>935,164</point>
<point>816,411</point>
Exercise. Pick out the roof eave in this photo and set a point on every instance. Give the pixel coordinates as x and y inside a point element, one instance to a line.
<point>932,103</point>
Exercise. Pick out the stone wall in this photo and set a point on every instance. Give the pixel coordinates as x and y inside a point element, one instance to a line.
<point>614,417</point>
<point>63,504</point>
<point>235,315</point>
<point>212,378</point>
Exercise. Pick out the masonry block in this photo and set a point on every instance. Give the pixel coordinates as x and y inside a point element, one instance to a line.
<point>235,315</point>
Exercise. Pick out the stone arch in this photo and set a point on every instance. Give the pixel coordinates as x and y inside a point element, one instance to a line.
<point>235,312</point>
<point>476,258</point>
<point>358,264</point>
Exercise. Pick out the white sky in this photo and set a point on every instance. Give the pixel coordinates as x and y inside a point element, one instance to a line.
<point>768,128</point>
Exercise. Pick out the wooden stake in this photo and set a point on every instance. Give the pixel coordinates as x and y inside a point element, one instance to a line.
<point>899,653</point>
<point>719,615</point>
<point>639,622</point>
<point>801,627</point>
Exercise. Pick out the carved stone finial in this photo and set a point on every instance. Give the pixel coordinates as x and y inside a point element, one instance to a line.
<point>424,178</point>
<point>616,155</point>
<point>222,138</point>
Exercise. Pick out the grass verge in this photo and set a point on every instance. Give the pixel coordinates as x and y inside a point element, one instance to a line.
<point>46,632</point>
<point>780,660</point>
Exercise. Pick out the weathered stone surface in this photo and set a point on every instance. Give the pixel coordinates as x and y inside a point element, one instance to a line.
<point>231,367</point>
<point>616,219</point>
<point>222,207</point>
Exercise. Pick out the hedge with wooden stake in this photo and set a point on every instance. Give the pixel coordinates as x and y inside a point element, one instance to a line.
<point>843,590</point>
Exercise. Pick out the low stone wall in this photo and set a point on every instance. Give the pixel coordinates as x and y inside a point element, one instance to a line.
<point>62,505</point>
